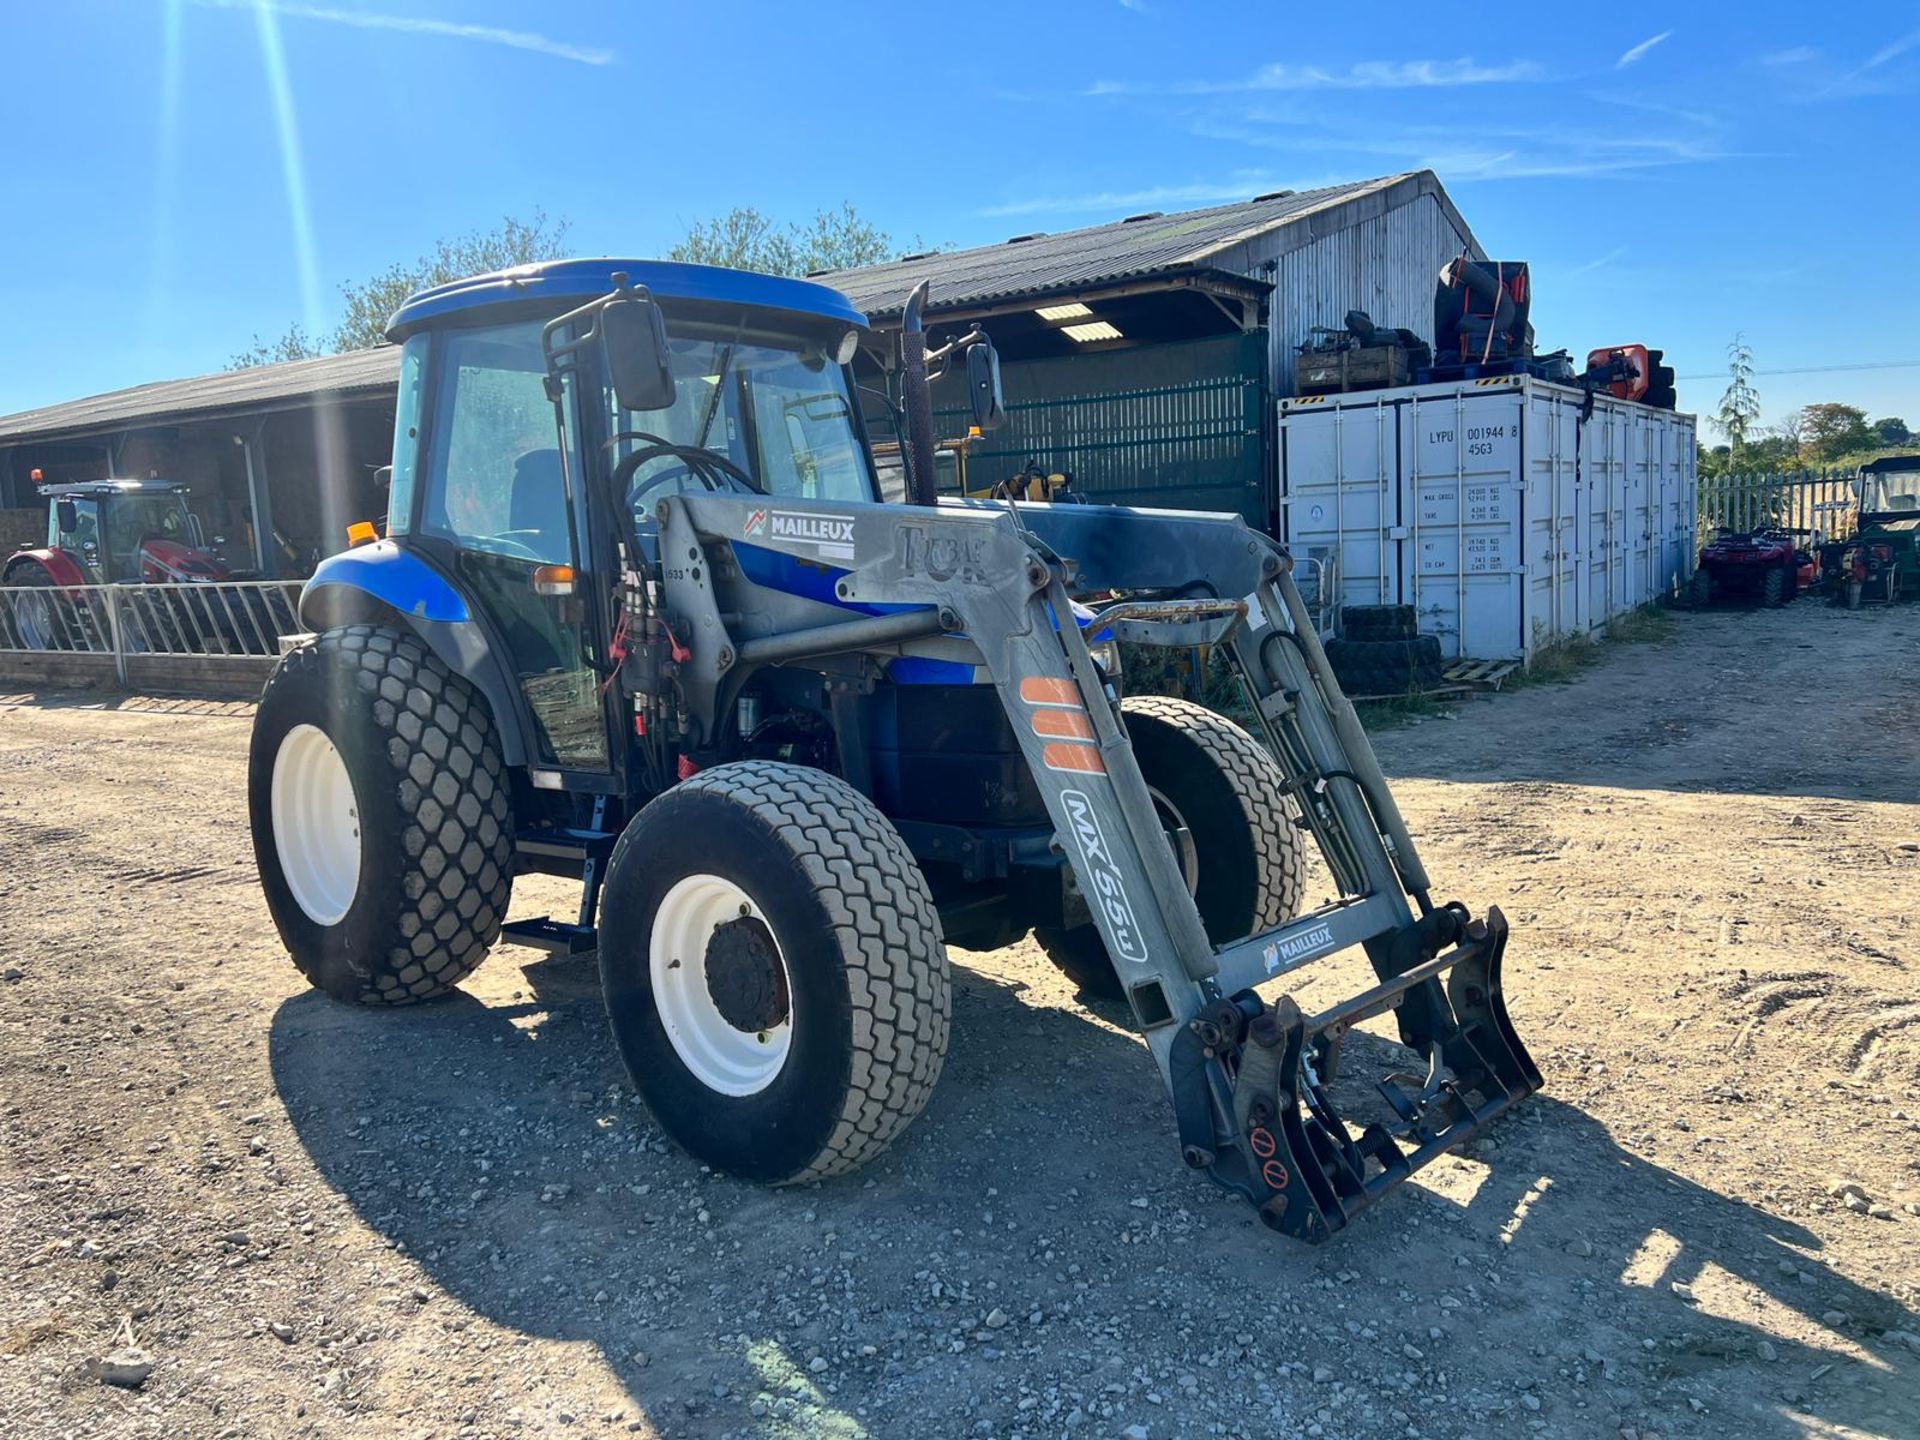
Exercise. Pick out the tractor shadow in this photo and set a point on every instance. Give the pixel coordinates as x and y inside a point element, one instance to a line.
<point>501,1146</point>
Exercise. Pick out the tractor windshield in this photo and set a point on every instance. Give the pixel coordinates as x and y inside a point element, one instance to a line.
<point>132,519</point>
<point>1890,491</point>
<point>780,411</point>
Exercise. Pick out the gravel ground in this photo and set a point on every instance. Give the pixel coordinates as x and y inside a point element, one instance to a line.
<point>457,1220</point>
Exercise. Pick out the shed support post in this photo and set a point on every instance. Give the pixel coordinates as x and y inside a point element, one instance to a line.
<point>266,554</point>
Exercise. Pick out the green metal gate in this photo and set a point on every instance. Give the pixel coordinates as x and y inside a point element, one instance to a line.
<point>1175,425</point>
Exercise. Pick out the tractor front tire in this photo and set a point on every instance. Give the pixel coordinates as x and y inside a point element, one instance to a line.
<point>773,971</point>
<point>381,818</point>
<point>1247,864</point>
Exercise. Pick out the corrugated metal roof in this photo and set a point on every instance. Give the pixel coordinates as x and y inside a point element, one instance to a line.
<point>1035,265</point>
<point>261,387</point>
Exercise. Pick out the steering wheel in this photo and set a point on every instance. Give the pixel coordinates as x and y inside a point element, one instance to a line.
<point>705,465</point>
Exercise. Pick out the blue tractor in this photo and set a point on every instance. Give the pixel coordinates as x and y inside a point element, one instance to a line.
<point>641,618</point>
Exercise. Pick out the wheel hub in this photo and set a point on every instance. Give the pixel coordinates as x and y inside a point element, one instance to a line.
<point>745,977</point>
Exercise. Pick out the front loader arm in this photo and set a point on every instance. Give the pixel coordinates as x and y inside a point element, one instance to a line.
<point>1250,1081</point>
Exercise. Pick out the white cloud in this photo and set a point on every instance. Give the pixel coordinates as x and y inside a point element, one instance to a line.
<point>1797,55</point>
<point>1893,49</point>
<point>1243,187</point>
<point>1638,52</point>
<point>418,25</point>
<point>1365,75</point>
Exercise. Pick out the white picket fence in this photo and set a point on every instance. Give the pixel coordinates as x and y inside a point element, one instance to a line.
<point>1817,502</point>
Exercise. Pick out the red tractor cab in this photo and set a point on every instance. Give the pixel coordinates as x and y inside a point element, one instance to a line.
<point>124,532</point>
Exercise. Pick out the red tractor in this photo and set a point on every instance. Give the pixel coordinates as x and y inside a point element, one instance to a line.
<point>131,532</point>
<point>1769,565</point>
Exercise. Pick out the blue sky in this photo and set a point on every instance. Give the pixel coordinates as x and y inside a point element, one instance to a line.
<point>181,174</point>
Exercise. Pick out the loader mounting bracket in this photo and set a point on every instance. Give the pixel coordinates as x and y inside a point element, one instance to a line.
<point>1288,1149</point>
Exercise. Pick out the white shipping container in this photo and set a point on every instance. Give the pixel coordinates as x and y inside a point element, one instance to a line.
<point>1508,512</point>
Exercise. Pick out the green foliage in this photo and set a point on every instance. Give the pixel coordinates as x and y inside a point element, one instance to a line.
<point>294,345</point>
<point>1740,406</point>
<point>1893,431</point>
<point>1832,430</point>
<point>370,303</point>
<point>747,239</point>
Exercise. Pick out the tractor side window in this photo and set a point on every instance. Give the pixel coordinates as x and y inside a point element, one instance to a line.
<point>494,478</point>
<point>406,435</point>
<point>84,540</point>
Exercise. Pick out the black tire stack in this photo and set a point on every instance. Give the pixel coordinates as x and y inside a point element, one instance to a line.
<point>1382,652</point>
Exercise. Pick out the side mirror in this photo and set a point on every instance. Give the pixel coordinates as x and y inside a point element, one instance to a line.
<point>634,337</point>
<point>68,514</point>
<point>983,386</point>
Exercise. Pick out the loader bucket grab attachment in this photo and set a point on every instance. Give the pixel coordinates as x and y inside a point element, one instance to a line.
<point>1301,1164</point>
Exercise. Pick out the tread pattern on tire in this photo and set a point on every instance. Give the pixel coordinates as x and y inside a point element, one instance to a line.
<point>449,779</point>
<point>1378,622</point>
<point>1254,775</point>
<point>871,886</point>
<point>1384,667</point>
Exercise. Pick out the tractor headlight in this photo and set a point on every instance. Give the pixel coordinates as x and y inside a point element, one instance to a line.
<point>1107,657</point>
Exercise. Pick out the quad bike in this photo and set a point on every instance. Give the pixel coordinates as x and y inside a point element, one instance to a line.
<point>795,741</point>
<point>1769,565</point>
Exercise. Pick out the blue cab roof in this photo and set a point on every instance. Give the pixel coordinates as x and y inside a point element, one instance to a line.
<point>573,282</point>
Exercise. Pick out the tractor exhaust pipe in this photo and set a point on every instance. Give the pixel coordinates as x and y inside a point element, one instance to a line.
<point>922,487</point>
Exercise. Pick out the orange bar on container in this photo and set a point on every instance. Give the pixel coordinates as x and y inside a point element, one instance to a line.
<point>1084,759</point>
<point>1042,690</point>
<point>1067,724</point>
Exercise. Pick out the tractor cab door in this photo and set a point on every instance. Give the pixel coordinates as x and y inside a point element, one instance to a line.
<point>83,540</point>
<point>495,512</point>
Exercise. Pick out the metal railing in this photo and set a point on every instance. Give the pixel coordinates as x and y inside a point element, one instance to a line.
<point>1825,502</point>
<point>225,618</point>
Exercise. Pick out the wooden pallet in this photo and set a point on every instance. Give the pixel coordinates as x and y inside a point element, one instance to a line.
<point>1479,674</point>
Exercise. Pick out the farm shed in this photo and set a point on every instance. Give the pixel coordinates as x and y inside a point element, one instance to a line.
<point>1144,355</point>
<point>283,450</point>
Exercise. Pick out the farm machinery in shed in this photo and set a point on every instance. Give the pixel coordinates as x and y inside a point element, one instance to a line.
<point>641,619</point>
<point>131,533</point>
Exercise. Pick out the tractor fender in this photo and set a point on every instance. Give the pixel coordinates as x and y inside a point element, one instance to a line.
<point>62,569</point>
<point>384,584</point>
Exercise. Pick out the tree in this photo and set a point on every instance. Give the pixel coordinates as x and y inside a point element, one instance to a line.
<point>1740,405</point>
<point>370,303</point>
<point>1833,429</point>
<point>1893,431</point>
<point>747,239</point>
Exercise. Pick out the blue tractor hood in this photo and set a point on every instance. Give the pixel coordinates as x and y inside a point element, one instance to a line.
<point>566,283</point>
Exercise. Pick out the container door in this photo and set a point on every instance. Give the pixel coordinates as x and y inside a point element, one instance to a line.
<point>1603,472</point>
<point>1468,570</point>
<point>1340,501</point>
<point>1641,559</point>
<point>1553,547</point>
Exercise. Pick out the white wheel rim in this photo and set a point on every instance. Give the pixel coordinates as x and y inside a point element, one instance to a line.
<point>316,824</point>
<point>720,1057</point>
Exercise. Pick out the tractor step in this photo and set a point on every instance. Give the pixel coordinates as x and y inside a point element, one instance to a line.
<point>554,936</point>
<point>565,842</point>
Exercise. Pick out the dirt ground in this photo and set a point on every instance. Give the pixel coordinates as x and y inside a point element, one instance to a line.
<point>457,1221</point>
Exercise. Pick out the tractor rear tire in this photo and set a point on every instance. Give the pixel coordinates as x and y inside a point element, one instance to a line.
<point>36,621</point>
<point>382,822</point>
<point>1700,589</point>
<point>1776,587</point>
<point>1248,864</point>
<point>1379,622</point>
<point>773,971</point>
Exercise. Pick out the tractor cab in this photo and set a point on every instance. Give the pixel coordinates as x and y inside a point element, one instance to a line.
<point>1880,561</point>
<point>129,532</point>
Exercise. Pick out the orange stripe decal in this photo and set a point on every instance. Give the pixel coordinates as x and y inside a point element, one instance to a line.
<point>1083,759</point>
<point>1067,724</point>
<point>1043,690</point>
